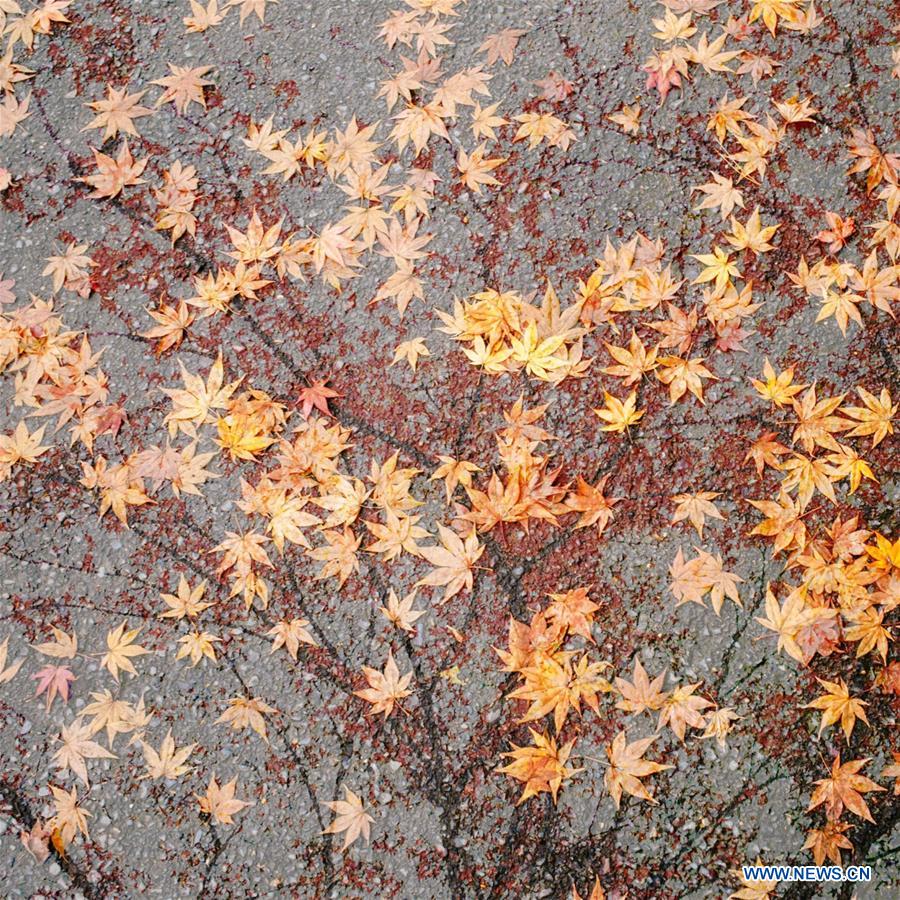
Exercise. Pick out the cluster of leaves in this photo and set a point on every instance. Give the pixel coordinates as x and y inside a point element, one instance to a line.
<point>542,656</point>
<point>110,713</point>
<point>57,373</point>
<point>838,285</point>
<point>844,591</point>
<point>847,576</point>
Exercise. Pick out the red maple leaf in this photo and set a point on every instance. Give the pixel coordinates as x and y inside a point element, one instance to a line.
<point>663,81</point>
<point>54,680</point>
<point>316,395</point>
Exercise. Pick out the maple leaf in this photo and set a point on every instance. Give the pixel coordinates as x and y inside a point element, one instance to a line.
<point>874,417</point>
<point>54,680</point>
<point>837,704</point>
<point>663,75</point>
<point>783,522</point>
<point>572,612</point>
<point>399,535</point>
<point>116,716</point>
<point>595,507</point>
<point>841,305</point>
<point>717,267</point>
<point>474,169</point>
<point>339,555</point>
<point>751,235</point>
<point>682,375</point>
<point>628,118</point>
<point>541,767</point>
<point>64,646</point>
<point>398,27</point>
<point>688,582</point>
<point>710,55</point>
<point>400,612</point>
<point>597,892</point>
<point>404,245</point>
<point>184,469</point>
<point>757,65</point>
<point>290,634</point>
<point>169,762</point>
<point>69,267</point>
<point>879,166</point>
<point>672,28</point>
<point>403,285</point>
<point>502,45</point>
<point>344,501</point>
<point>696,507</point>
<point>538,355</point>
<point>418,124</point>
<point>247,713</point>
<point>718,725</point>
<point>114,174</point>
<point>885,554</point>
<point>219,802</point>
<point>682,708</point>
<point>316,396</point>
<point>484,121</point>
<point>248,7</point>
<point>790,619</point>
<point>537,127</point>
<point>453,561</point>
<point>755,888</point>
<point>828,841</point>
<point>640,694</point>
<point>6,289</point>
<point>117,112</point>
<point>20,447</point>
<point>844,788</point>
<point>77,747</point>
<point>721,193</point>
<point>778,388</point>
<point>187,602</point>
<point>242,436</point>
<point>627,768</point>
<point>795,111</point>
<point>171,327</point>
<point>120,650</point>
<point>35,841</point>
<point>548,685</point>
<point>837,232</point>
<point>619,415</point>
<point>816,422</point>
<point>259,244</point>
<point>70,818</point>
<point>385,688</point>
<point>869,631</point>
<point>454,472</point>
<point>633,361</point>
<point>351,818</point>
<point>460,88</point>
<point>410,351</point>
<point>728,118</point>
<point>8,673</point>
<point>196,645</point>
<point>350,147</point>
<point>203,17</point>
<point>183,86</point>
<point>772,10</point>
<point>11,113</point>
<point>429,35</point>
<point>192,405</point>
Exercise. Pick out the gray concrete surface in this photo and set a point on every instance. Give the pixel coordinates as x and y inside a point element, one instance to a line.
<point>445,824</point>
